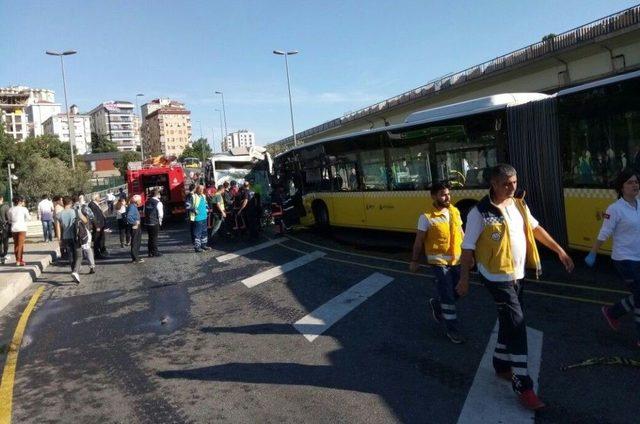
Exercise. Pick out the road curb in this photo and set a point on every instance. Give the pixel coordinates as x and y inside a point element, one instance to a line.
<point>14,280</point>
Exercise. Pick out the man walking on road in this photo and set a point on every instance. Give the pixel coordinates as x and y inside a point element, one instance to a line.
<point>439,236</point>
<point>153,214</point>
<point>67,220</point>
<point>502,235</point>
<point>133,220</point>
<point>197,207</point>
<point>5,230</point>
<point>45,215</point>
<point>99,223</point>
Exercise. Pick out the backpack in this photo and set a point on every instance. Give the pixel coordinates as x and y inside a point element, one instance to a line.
<point>80,231</point>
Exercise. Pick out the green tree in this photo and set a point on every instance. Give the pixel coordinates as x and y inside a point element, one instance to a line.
<point>38,176</point>
<point>124,160</point>
<point>100,143</point>
<point>198,149</point>
<point>549,37</point>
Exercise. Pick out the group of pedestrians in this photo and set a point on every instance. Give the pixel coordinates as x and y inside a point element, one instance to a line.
<point>225,211</point>
<point>500,239</point>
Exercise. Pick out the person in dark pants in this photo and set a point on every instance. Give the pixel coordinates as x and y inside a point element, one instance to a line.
<point>501,233</point>
<point>5,230</point>
<point>99,223</point>
<point>123,229</point>
<point>153,214</point>
<point>218,214</point>
<point>133,220</point>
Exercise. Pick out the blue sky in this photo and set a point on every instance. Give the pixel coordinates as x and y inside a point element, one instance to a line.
<point>352,53</point>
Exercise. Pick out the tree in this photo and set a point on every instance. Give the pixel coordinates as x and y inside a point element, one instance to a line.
<point>100,143</point>
<point>38,176</point>
<point>199,149</point>
<point>549,37</point>
<point>124,160</point>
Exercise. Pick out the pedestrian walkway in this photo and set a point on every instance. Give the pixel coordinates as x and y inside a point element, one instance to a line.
<point>13,279</point>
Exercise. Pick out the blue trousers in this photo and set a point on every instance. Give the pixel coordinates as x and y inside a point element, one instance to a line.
<point>47,230</point>
<point>630,273</point>
<point>446,279</point>
<point>199,234</point>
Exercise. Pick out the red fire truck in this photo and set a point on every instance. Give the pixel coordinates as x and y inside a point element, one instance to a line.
<point>165,174</point>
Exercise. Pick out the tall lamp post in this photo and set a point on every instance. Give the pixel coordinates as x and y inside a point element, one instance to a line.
<point>286,64</point>
<point>71,125</point>
<point>224,111</point>
<point>11,177</point>
<point>221,129</point>
<point>140,127</point>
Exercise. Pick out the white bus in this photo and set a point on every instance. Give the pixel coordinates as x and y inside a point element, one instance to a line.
<point>234,165</point>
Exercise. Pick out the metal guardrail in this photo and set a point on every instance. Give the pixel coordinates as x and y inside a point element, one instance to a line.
<point>571,38</point>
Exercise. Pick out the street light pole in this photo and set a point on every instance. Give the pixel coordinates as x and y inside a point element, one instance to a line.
<point>224,111</point>
<point>9,168</point>
<point>70,125</point>
<point>140,127</point>
<point>286,64</point>
<point>221,129</point>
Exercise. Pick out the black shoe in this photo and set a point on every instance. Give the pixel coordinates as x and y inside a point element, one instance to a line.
<point>157,254</point>
<point>455,337</point>
<point>206,248</point>
<point>138,261</point>
<point>436,311</point>
<point>198,250</point>
<point>92,270</point>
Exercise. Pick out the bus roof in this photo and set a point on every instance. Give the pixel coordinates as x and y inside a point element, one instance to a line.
<point>483,104</point>
<point>455,110</point>
<point>599,83</point>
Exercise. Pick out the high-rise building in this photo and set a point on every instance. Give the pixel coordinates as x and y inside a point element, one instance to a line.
<point>242,138</point>
<point>24,109</point>
<point>166,128</point>
<point>115,119</point>
<point>59,125</point>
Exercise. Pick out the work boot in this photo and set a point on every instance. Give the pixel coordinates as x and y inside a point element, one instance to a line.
<point>455,336</point>
<point>614,324</point>
<point>530,400</point>
<point>436,311</point>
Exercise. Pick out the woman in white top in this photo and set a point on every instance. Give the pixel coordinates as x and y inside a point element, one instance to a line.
<point>18,217</point>
<point>622,223</point>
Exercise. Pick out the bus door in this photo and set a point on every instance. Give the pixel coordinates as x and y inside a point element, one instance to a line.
<point>346,200</point>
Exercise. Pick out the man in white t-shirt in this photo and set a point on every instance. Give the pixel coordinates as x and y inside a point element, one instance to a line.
<point>501,236</point>
<point>45,215</point>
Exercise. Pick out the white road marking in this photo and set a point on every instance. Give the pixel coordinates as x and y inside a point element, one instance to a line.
<point>229,256</point>
<point>279,270</point>
<point>491,399</point>
<point>319,321</point>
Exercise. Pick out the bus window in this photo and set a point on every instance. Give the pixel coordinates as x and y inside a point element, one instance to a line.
<point>374,170</point>
<point>410,167</point>
<point>465,166</point>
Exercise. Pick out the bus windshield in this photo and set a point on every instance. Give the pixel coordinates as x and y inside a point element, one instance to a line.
<point>231,171</point>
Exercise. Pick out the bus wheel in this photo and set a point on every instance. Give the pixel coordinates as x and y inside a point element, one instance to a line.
<point>321,216</point>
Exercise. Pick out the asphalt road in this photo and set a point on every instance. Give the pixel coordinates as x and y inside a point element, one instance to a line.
<point>181,339</point>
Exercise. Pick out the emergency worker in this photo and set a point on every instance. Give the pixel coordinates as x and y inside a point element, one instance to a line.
<point>197,207</point>
<point>502,234</point>
<point>622,223</point>
<point>439,236</point>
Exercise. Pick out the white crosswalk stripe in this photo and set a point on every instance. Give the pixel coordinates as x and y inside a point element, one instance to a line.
<point>241,252</point>
<point>318,321</point>
<point>279,270</point>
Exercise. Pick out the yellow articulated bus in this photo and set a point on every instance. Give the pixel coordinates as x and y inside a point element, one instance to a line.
<point>567,148</point>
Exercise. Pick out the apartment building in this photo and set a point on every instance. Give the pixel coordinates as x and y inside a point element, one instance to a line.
<point>59,125</point>
<point>116,120</point>
<point>24,109</point>
<point>241,138</point>
<point>166,128</point>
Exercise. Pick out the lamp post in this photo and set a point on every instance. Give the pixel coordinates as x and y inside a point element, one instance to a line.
<point>286,64</point>
<point>71,125</point>
<point>224,111</point>
<point>140,127</point>
<point>10,166</point>
<point>221,129</point>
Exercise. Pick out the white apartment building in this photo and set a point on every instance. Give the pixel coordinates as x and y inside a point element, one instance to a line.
<point>24,109</point>
<point>242,138</point>
<point>116,120</point>
<point>58,125</point>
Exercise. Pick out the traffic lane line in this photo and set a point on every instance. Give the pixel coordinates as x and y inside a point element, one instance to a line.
<point>491,399</point>
<point>282,269</point>
<point>323,317</point>
<point>9,372</point>
<point>532,280</point>
<point>473,283</point>
<point>250,249</point>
